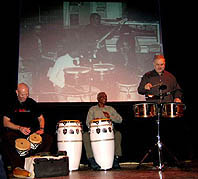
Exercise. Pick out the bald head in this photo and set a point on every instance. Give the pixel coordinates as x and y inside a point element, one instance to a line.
<point>22,86</point>
<point>22,92</point>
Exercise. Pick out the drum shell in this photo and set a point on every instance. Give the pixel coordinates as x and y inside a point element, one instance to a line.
<point>69,139</point>
<point>173,110</point>
<point>102,143</point>
<point>145,110</point>
<point>22,153</point>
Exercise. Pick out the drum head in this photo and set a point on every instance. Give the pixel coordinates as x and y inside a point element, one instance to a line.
<point>35,138</point>
<point>69,121</point>
<point>101,120</point>
<point>22,144</point>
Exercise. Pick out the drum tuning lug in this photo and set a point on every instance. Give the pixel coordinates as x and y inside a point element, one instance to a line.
<point>64,131</point>
<point>98,130</point>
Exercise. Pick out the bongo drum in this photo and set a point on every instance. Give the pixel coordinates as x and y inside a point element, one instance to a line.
<point>173,110</point>
<point>35,140</point>
<point>22,146</point>
<point>102,142</point>
<point>69,139</point>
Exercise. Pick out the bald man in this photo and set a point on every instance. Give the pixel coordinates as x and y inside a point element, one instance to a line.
<point>21,119</point>
<point>23,97</point>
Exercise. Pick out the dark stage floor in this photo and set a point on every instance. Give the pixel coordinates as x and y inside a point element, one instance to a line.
<point>129,170</point>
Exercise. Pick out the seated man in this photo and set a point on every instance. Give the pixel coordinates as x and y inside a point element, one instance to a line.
<point>101,110</point>
<point>21,119</point>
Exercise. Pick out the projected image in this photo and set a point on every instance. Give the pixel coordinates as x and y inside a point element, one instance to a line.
<point>70,51</point>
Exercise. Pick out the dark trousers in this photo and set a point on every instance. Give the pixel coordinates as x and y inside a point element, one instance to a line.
<point>11,153</point>
<point>2,169</point>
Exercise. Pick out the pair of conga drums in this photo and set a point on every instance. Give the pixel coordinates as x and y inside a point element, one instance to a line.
<point>149,110</point>
<point>69,139</point>
<point>23,145</point>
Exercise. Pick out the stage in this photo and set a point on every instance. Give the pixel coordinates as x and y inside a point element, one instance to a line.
<point>178,136</point>
<point>129,170</point>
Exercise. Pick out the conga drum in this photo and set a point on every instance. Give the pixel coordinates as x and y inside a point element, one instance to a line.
<point>22,146</point>
<point>35,140</point>
<point>69,139</point>
<point>102,142</point>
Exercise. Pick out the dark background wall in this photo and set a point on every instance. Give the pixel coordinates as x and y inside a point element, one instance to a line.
<point>178,33</point>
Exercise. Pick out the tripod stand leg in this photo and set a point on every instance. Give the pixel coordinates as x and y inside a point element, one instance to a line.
<point>173,156</point>
<point>160,155</point>
<point>145,156</point>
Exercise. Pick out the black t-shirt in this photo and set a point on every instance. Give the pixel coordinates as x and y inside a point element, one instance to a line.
<point>24,114</point>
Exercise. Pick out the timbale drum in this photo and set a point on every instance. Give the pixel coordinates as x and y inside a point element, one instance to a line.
<point>145,110</point>
<point>173,110</point>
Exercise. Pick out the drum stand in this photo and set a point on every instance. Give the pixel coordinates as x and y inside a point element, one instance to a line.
<point>159,144</point>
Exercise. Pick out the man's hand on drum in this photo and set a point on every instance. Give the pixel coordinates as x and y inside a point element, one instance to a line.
<point>25,130</point>
<point>106,114</point>
<point>148,86</point>
<point>40,132</point>
<point>177,100</point>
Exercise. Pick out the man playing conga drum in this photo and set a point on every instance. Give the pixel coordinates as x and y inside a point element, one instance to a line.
<point>21,119</point>
<point>102,111</point>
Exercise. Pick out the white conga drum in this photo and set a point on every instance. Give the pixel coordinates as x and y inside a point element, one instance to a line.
<point>22,146</point>
<point>102,142</point>
<point>69,139</point>
<point>35,140</point>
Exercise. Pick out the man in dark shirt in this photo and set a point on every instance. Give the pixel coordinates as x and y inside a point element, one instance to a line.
<point>159,85</point>
<point>21,119</point>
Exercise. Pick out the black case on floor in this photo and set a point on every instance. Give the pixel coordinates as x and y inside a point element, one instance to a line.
<point>44,167</point>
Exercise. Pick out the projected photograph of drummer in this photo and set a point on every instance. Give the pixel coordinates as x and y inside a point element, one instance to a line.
<point>88,67</point>
<point>100,49</point>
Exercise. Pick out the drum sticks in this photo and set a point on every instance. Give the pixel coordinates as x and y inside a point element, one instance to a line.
<point>158,84</point>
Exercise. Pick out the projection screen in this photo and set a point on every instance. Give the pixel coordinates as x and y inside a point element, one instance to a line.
<point>70,51</point>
